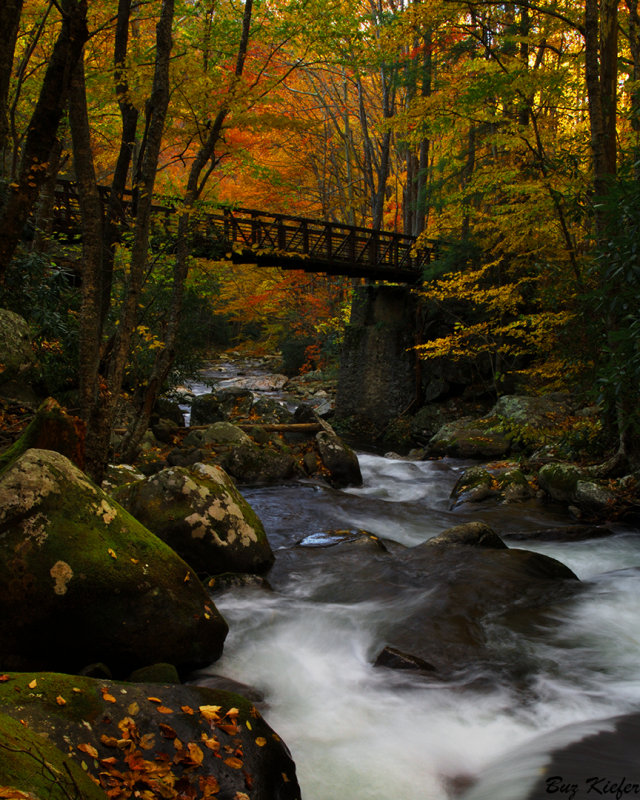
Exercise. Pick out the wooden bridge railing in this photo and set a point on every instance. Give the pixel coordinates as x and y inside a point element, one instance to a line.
<point>281,240</point>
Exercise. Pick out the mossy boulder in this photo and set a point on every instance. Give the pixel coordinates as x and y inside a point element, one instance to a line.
<point>82,581</point>
<point>473,485</point>
<point>470,438</point>
<point>207,409</point>
<point>32,768</point>
<point>17,356</point>
<point>560,480</point>
<point>199,513</point>
<point>224,433</point>
<point>119,734</point>
<point>251,463</point>
<point>52,428</point>
<point>506,483</point>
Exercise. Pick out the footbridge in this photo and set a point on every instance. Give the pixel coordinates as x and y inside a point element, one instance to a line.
<point>249,236</point>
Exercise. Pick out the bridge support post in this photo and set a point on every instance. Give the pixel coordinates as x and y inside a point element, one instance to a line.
<point>377,379</point>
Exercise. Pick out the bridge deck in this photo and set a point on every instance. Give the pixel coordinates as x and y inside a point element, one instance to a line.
<point>289,242</point>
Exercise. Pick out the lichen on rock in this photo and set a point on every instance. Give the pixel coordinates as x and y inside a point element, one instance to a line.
<point>200,513</point>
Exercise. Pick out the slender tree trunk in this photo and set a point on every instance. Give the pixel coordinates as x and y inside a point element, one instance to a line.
<point>46,201</point>
<point>10,11</point>
<point>102,421</point>
<point>90,332</point>
<point>41,135</point>
<point>201,168</point>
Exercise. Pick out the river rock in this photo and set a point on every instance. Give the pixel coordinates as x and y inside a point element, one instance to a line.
<point>18,357</point>
<point>207,409</point>
<point>266,409</point>
<point>166,408</point>
<point>249,463</point>
<point>508,484</point>
<point>256,383</point>
<point>482,592</point>
<point>150,740</point>
<point>473,486</point>
<point>339,460</point>
<point>81,581</point>
<point>469,438</point>
<point>469,534</point>
<point>201,515</point>
<point>559,480</point>
<point>224,433</point>
<point>580,761</point>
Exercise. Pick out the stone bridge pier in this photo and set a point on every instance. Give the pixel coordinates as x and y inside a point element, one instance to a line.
<point>379,375</point>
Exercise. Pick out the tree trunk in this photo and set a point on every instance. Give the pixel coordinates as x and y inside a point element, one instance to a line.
<point>102,421</point>
<point>41,135</point>
<point>10,11</point>
<point>195,184</point>
<point>90,333</point>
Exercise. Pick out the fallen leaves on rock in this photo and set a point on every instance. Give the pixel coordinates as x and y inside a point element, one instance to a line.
<point>124,767</point>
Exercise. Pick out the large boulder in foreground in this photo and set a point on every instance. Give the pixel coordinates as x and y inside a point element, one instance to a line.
<point>201,515</point>
<point>60,779</point>
<point>145,740</point>
<point>483,592</point>
<point>81,581</point>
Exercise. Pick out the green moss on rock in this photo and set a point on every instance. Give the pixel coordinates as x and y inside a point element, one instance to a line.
<point>200,513</point>
<point>31,764</point>
<point>82,581</point>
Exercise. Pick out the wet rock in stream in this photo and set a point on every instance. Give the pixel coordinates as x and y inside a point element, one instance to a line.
<point>464,601</point>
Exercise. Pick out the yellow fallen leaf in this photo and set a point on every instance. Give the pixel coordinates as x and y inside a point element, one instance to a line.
<point>33,684</point>
<point>108,698</point>
<point>261,741</point>
<point>195,753</point>
<point>164,710</point>
<point>233,762</point>
<point>89,749</point>
<point>133,708</point>
<point>187,709</point>
<point>112,553</point>
<point>154,699</point>
<point>61,701</point>
<point>210,712</point>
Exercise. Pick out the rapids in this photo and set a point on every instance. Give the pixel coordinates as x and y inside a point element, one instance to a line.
<point>363,733</point>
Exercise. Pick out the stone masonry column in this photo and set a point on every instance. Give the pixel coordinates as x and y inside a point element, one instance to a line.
<point>377,378</point>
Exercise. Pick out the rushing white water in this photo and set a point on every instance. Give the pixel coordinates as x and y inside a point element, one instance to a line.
<point>367,733</point>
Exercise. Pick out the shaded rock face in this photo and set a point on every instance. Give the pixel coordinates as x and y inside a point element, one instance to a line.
<point>507,483</point>
<point>569,484</point>
<point>200,514</point>
<point>249,463</point>
<point>339,460</point>
<point>464,601</point>
<point>516,423</point>
<point>81,581</point>
<point>218,406</point>
<point>581,761</point>
<point>17,356</point>
<point>217,740</point>
<point>469,438</point>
